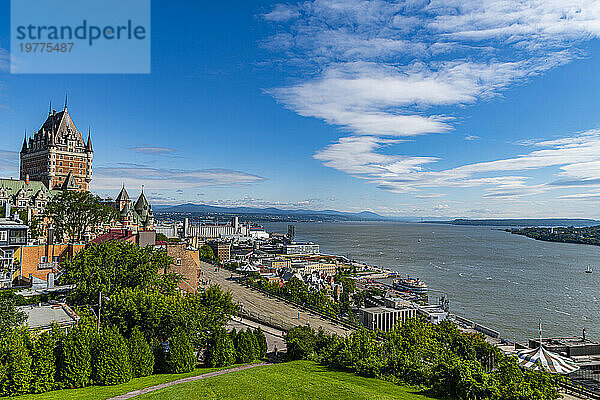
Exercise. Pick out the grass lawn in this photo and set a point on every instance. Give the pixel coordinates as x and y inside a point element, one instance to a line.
<point>293,380</point>
<point>105,392</point>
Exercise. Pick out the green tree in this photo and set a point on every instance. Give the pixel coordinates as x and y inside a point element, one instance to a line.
<point>206,252</point>
<point>111,364</point>
<point>10,315</point>
<point>140,355</point>
<point>43,363</point>
<point>181,353</point>
<point>221,350</point>
<point>16,358</point>
<point>245,349</point>
<point>111,266</point>
<point>300,342</point>
<point>76,359</point>
<point>73,213</point>
<point>262,342</point>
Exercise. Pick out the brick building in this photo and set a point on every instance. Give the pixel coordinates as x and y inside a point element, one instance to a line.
<point>40,260</point>
<point>57,155</point>
<point>186,263</point>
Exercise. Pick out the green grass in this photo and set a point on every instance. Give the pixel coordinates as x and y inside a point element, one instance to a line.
<point>293,380</point>
<point>105,392</point>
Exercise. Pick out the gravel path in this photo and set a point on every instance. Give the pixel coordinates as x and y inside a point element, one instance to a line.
<point>134,393</point>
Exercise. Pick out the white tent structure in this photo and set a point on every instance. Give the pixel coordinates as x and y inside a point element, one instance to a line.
<point>542,359</point>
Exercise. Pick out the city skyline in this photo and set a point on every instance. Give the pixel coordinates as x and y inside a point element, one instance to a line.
<point>433,109</point>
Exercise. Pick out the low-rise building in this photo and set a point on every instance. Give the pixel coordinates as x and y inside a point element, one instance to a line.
<point>40,260</point>
<point>13,236</point>
<point>185,263</point>
<point>41,317</point>
<point>384,318</point>
<point>301,248</point>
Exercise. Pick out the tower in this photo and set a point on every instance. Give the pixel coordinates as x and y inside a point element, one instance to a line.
<point>57,155</point>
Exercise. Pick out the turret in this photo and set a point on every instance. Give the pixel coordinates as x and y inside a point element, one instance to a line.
<point>88,146</point>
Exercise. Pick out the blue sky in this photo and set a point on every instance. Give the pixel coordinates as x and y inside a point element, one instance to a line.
<point>410,108</point>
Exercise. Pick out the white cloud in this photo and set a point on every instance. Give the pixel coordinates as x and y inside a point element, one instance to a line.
<point>383,69</point>
<point>153,150</point>
<point>157,178</point>
<point>472,137</point>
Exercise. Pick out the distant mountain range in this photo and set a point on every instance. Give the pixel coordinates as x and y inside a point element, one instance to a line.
<point>203,209</point>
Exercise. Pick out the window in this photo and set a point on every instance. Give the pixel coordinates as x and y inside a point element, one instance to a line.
<point>43,259</point>
<point>3,236</point>
<point>178,261</point>
<point>55,258</point>
<point>60,163</point>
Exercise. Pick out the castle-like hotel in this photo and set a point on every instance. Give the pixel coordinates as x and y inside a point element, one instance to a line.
<point>57,158</point>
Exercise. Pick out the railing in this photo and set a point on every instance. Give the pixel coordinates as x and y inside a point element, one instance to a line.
<point>578,390</point>
<point>266,319</point>
<point>47,265</point>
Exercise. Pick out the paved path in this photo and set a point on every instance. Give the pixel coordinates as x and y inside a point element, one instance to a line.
<point>257,302</point>
<point>129,395</point>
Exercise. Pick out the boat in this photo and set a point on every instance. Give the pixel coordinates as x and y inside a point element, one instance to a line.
<point>588,270</point>
<point>412,285</point>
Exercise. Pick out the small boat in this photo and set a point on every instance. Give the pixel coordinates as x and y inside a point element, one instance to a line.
<point>588,270</point>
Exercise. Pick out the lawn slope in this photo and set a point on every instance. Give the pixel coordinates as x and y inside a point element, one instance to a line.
<point>293,380</point>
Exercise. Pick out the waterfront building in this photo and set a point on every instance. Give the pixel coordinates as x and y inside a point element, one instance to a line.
<point>306,268</point>
<point>301,248</point>
<point>218,231</point>
<point>57,155</point>
<point>384,318</point>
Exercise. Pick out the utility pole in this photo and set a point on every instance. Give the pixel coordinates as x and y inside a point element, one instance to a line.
<point>99,310</point>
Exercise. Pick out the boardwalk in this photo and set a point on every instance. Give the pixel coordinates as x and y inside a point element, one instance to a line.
<point>134,393</point>
<point>257,302</point>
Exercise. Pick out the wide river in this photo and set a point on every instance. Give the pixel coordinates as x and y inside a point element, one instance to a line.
<point>506,282</point>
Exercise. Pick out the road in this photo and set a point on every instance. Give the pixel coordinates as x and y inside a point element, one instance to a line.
<point>258,302</point>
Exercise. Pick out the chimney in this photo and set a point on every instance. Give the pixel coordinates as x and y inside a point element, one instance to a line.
<point>50,281</point>
<point>27,179</point>
<point>7,210</point>
<point>50,240</point>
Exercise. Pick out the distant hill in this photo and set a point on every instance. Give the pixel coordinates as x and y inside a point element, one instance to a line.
<point>521,222</point>
<point>204,209</point>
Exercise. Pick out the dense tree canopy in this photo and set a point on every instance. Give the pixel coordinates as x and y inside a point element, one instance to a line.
<point>10,316</point>
<point>73,213</point>
<point>111,266</point>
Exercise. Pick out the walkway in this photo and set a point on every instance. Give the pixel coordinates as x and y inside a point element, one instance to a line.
<point>184,380</point>
<point>257,302</point>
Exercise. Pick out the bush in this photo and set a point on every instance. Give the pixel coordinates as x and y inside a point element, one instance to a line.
<point>300,342</point>
<point>221,350</point>
<point>181,353</point>
<point>160,358</point>
<point>111,359</point>
<point>262,342</point>
<point>140,355</point>
<point>15,357</point>
<point>43,363</point>
<point>245,347</point>
<point>76,359</point>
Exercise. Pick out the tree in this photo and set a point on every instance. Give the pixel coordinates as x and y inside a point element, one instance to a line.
<point>245,347</point>
<point>73,213</point>
<point>10,315</point>
<point>140,355</point>
<point>111,266</point>
<point>43,363</point>
<point>262,342</point>
<point>181,353</point>
<point>161,237</point>
<point>76,359</point>
<point>206,252</point>
<point>221,350</point>
<point>111,361</point>
<point>16,358</point>
<point>300,342</point>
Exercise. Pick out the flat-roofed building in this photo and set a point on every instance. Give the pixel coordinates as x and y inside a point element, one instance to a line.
<point>385,318</point>
<point>301,248</point>
<point>41,317</point>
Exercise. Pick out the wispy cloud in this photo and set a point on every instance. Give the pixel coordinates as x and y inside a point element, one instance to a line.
<point>472,137</point>
<point>153,150</point>
<point>381,70</point>
<point>159,178</point>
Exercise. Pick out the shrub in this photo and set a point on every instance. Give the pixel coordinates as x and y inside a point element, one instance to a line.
<point>111,359</point>
<point>17,363</point>
<point>43,363</point>
<point>76,366</point>
<point>300,343</point>
<point>181,353</point>
<point>140,355</point>
<point>160,358</point>
<point>221,350</point>
<point>262,342</point>
<point>244,346</point>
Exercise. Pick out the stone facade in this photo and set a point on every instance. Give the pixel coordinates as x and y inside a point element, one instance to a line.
<point>57,155</point>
